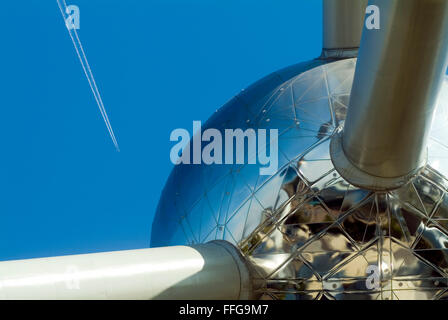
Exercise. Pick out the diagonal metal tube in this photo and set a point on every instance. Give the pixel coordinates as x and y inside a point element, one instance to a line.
<point>398,75</point>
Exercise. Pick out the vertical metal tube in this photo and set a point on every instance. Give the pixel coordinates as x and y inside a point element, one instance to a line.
<point>343,21</point>
<point>398,76</point>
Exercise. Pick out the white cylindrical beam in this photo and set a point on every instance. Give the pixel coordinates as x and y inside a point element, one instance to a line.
<point>210,271</point>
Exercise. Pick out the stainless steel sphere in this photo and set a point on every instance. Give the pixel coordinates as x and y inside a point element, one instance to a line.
<point>308,233</point>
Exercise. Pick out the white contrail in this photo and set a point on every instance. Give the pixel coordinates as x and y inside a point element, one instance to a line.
<point>88,72</point>
<point>92,81</point>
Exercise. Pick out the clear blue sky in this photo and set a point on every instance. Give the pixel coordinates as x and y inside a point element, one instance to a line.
<point>159,65</point>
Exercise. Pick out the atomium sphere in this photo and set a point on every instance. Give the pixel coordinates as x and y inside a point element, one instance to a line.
<point>308,233</point>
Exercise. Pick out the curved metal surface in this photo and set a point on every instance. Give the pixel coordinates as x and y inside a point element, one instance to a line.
<point>243,111</point>
<point>179,272</point>
<point>308,232</point>
<point>398,76</point>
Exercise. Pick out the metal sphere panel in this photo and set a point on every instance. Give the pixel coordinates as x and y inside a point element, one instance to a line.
<point>308,233</point>
<point>199,200</point>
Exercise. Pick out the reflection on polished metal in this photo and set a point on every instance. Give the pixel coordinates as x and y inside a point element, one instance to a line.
<point>308,232</point>
<point>342,29</point>
<point>161,273</point>
<point>400,70</point>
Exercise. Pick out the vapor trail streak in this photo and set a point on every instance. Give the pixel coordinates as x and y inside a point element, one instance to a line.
<point>88,72</point>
